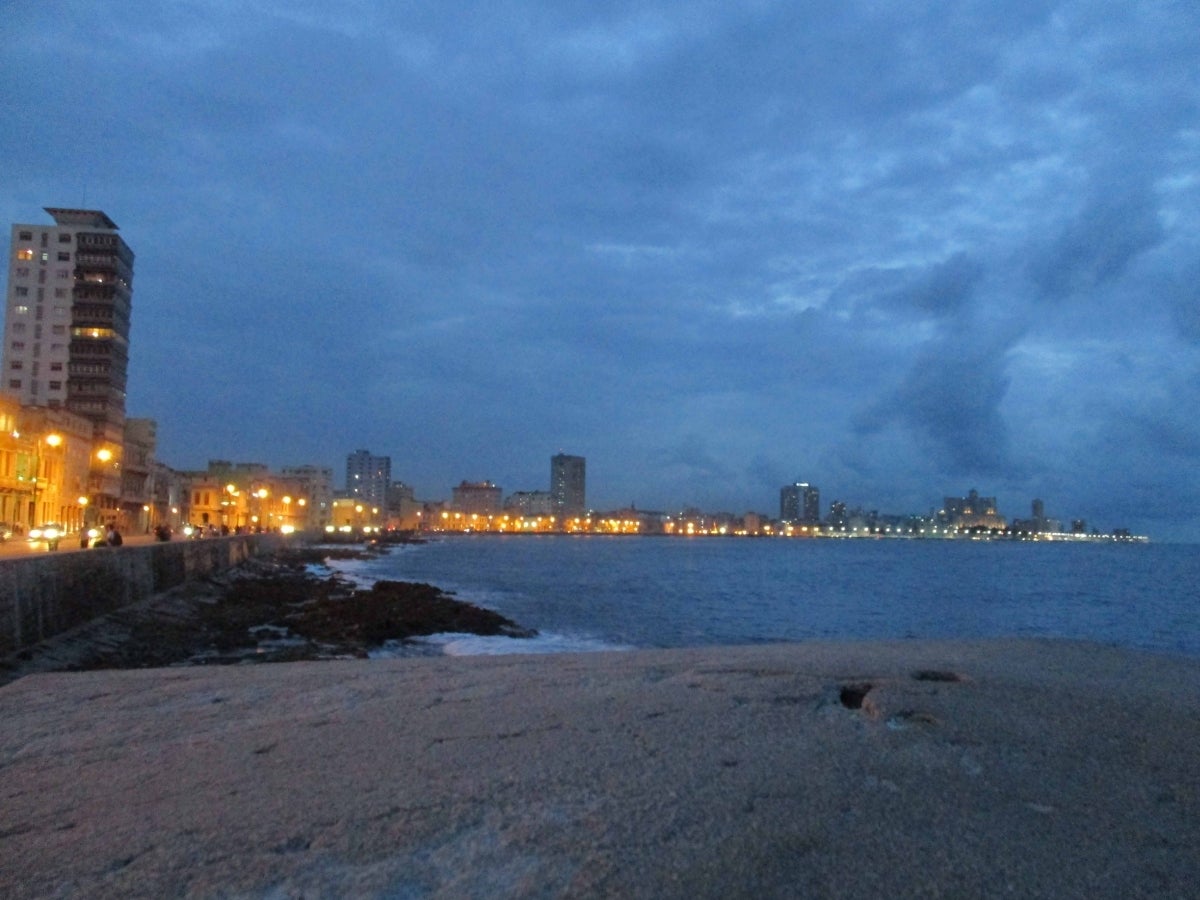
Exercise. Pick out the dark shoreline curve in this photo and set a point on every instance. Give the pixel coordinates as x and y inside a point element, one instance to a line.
<point>269,609</point>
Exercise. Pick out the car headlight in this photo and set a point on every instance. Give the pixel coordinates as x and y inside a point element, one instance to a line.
<point>51,533</point>
<point>35,533</point>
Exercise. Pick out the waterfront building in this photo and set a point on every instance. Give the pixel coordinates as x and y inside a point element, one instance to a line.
<point>368,477</point>
<point>478,497</point>
<point>312,494</point>
<point>800,502</point>
<point>531,503</point>
<point>971,511</point>
<point>141,441</point>
<point>45,458</point>
<point>66,332</point>
<point>568,485</point>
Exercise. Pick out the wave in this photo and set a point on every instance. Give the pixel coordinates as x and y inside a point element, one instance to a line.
<point>458,644</point>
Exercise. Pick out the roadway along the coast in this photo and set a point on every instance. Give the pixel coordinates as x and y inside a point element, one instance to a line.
<point>19,546</point>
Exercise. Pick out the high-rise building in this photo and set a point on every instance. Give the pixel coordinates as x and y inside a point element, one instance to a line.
<point>368,477</point>
<point>568,484</point>
<point>800,502</point>
<point>66,331</point>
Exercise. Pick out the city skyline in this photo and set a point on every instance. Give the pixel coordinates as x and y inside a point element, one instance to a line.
<point>891,251</point>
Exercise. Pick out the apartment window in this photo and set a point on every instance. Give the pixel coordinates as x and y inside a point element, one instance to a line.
<point>23,272</point>
<point>58,329</point>
<point>18,345</point>
<point>21,310</point>
<point>14,384</point>
<point>64,273</point>
<point>60,310</point>
<point>16,365</point>
<point>64,239</point>
<point>25,253</point>
<point>18,328</point>
<point>25,236</point>
<point>64,256</point>
<point>21,291</point>
<point>45,254</point>
<point>60,292</point>
<point>56,385</point>
<point>57,348</point>
<point>55,367</point>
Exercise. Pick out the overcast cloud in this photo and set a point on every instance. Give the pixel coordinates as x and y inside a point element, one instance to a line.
<point>897,250</point>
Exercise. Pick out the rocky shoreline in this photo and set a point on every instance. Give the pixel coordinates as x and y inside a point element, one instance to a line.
<point>270,609</point>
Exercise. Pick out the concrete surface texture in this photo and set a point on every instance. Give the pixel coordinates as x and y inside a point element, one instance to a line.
<point>982,769</point>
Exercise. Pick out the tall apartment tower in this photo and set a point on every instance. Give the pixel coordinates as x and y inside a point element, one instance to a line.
<point>66,330</point>
<point>800,502</point>
<point>568,484</point>
<point>368,477</point>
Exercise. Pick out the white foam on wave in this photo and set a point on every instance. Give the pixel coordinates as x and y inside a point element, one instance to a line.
<point>458,644</point>
<point>351,571</point>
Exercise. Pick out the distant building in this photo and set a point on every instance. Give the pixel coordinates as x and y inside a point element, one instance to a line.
<point>480,497</point>
<point>368,477</point>
<point>531,503</point>
<point>568,485</point>
<point>971,511</point>
<point>66,333</point>
<point>311,489</point>
<point>800,502</point>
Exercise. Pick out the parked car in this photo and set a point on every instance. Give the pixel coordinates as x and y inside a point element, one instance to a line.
<point>51,533</point>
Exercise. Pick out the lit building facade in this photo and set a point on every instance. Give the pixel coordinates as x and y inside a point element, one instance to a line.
<point>568,485</point>
<point>66,333</point>
<point>971,511</point>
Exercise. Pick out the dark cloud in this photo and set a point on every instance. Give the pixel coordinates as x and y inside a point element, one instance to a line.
<point>1096,246</point>
<point>950,403</point>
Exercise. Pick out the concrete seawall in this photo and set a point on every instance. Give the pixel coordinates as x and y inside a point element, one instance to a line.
<point>46,595</point>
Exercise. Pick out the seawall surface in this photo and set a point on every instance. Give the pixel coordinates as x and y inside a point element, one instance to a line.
<point>45,595</point>
<point>1013,768</point>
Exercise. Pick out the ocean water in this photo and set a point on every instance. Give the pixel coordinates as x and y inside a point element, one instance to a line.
<point>593,592</point>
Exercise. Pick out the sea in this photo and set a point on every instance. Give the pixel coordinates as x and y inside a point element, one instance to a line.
<point>594,592</point>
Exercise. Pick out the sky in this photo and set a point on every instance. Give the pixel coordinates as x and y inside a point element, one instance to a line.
<point>898,251</point>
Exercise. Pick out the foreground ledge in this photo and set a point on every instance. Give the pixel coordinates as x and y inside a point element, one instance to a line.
<point>1000,768</point>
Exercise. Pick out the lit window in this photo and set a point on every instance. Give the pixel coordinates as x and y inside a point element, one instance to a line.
<point>25,253</point>
<point>45,256</point>
<point>21,310</point>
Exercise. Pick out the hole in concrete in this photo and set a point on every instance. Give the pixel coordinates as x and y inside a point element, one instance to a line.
<point>853,695</point>
<point>936,675</point>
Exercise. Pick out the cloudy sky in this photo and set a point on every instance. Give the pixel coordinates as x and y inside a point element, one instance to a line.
<point>899,250</point>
